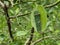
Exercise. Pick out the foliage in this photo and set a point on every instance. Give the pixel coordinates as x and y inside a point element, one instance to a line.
<point>42,15</point>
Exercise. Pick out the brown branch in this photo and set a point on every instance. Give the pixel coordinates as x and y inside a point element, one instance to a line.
<point>52,5</point>
<point>8,21</point>
<point>29,40</point>
<point>12,17</point>
<point>41,39</point>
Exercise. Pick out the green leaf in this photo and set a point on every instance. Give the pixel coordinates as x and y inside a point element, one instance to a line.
<point>21,33</point>
<point>17,11</point>
<point>43,17</point>
<point>14,10</point>
<point>33,23</point>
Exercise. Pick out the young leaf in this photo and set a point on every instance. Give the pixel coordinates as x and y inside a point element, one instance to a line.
<point>43,17</point>
<point>33,23</point>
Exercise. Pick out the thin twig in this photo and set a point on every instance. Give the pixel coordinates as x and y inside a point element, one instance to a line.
<point>12,17</point>
<point>52,5</point>
<point>41,39</point>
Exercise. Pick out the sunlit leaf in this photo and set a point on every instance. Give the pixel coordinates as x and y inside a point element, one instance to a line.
<point>43,17</point>
<point>17,10</point>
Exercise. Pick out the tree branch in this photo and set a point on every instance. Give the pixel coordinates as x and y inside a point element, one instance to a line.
<point>52,5</point>
<point>5,8</point>
<point>12,17</point>
<point>29,40</point>
<point>39,40</point>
